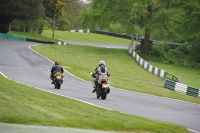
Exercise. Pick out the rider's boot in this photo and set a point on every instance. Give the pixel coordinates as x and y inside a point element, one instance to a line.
<point>94,90</point>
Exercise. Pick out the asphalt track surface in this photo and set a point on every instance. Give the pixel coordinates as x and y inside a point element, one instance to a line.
<point>18,62</point>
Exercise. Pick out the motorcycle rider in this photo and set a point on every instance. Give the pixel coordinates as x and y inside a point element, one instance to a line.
<point>56,68</point>
<point>100,70</point>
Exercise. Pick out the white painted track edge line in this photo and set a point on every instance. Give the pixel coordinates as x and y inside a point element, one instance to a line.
<point>193,131</point>
<point>54,93</point>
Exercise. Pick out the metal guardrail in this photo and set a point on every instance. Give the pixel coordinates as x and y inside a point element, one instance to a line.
<point>175,86</point>
<point>139,39</point>
<point>172,82</point>
<point>14,37</point>
<point>81,30</point>
<point>61,43</point>
<point>156,71</point>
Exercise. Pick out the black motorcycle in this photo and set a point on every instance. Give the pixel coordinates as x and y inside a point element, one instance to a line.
<point>58,80</point>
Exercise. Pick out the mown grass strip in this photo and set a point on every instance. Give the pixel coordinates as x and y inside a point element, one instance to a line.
<point>126,73</point>
<point>22,104</point>
<point>31,35</point>
<point>86,37</point>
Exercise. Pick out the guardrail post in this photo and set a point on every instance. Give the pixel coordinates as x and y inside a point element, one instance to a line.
<point>136,38</point>
<point>132,43</point>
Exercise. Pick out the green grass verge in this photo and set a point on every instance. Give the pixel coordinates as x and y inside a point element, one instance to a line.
<point>31,35</point>
<point>22,104</point>
<point>73,36</point>
<point>125,72</point>
<point>86,37</point>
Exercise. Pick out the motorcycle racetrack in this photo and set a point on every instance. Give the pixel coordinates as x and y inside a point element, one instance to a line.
<point>20,63</point>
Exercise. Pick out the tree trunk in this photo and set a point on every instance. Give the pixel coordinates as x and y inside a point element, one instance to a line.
<point>5,21</point>
<point>53,27</point>
<point>18,28</point>
<point>40,30</point>
<point>145,43</point>
<point>24,28</point>
<point>10,26</point>
<point>145,46</point>
<point>4,27</point>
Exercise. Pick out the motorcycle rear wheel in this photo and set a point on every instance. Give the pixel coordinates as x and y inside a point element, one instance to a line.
<point>103,94</point>
<point>57,84</point>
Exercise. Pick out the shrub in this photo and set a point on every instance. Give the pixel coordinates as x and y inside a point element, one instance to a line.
<point>159,50</point>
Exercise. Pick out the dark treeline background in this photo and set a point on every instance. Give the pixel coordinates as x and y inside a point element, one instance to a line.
<point>30,15</point>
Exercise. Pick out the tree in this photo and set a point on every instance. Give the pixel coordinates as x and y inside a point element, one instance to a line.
<point>20,9</point>
<point>53,10</point>
<point>72,9</point>
<point>128,13</point>
<point>188,27</point>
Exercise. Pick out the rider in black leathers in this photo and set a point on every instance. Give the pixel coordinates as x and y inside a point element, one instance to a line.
<point>56,68</point>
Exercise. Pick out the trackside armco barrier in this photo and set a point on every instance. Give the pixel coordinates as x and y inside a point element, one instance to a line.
<point>81,31</point>
<point>14,37</point>
<point>61,43</point>
<point>175,86</point>
<point>171,82</point>
<point>156,71</point>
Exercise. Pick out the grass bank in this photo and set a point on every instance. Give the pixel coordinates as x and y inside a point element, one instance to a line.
<point>26,105</point>
<point>125,72</point>
<point>86,37</point>
<point>73,36</point>
<point>31,35</point>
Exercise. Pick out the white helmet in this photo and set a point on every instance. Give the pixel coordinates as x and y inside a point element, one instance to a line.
<point>102,63</point>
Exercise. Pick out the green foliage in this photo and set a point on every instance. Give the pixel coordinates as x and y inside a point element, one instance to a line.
<point>63,24</point>
<point>20,9</point>
<point>17,9</point>
<point>116,28</point>
<point>183,55</point>
<point>72,10</point>
<point>159,50</point>
<point>29,25</point>
<point>188,29</point>
<point>53,8</point>
<point>102,14</point>
<point>86,20</point>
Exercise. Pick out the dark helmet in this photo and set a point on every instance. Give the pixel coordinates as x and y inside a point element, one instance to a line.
<point>56,63</point>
